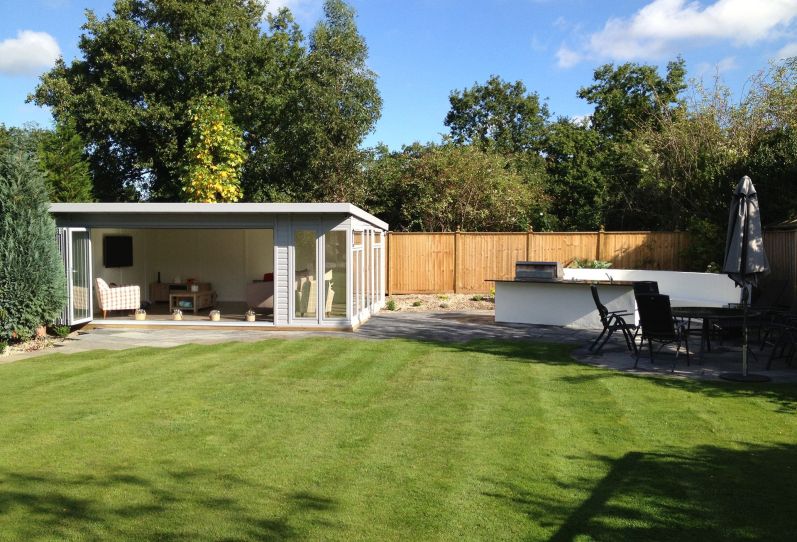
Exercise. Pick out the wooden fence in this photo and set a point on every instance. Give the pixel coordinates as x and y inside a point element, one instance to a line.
<point>463,262</point>
<point>781,249</point>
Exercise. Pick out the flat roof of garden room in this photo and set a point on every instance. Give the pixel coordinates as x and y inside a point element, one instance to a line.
<point>216,209</point>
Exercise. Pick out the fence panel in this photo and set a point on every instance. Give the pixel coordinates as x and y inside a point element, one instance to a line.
<point>781,249</point>
<point>484,256</point>
<point>421,263</point>
<point>562,247</point>
<point>643,250</point>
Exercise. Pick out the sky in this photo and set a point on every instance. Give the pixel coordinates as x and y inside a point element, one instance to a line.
<point>422,50</point>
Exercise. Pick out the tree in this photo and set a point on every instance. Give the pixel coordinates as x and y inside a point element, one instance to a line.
<point>303,111</point>
<point>32,282</point>
<point>338,106</point>
<point>450,187</point>
<point>498,115</point>
<point>62,158</point>
<point>575,182</point>
<point>631,96</point>
<point>214,154</point>
<point>142,65</point>
<point>628,100</point>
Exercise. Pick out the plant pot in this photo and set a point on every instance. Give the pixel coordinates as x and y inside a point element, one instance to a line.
<point>177,315</point>
<point>250,317</point>
<point>141,315</point>
<point>215,316</point>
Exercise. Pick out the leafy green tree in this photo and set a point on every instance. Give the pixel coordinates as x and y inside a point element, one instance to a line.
<point>62,158</point>
<point>575,180</point>
<point>498,115</point>
<point>32,281</point>
<point>142,65</point>
<point>214,154</point>
<point>631,96</point>
<point>628,100</point>
<point>450,187</point>
<point>338,106</point>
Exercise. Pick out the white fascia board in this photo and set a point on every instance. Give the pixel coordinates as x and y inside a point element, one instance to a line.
<point>218,208</point>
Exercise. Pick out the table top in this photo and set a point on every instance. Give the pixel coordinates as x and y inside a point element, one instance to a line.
<point>711,312</point>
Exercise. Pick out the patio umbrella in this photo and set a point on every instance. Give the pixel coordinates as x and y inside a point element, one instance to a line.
<point>745,260</point>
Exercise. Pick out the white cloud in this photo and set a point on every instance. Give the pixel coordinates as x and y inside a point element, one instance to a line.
<point>662,26</point>
<point>28,54</point>
<point>303,10</point>
<point>787,51</point>
<point>567,58</point>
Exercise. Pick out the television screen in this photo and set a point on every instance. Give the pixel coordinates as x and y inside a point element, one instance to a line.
<point>117,251</point>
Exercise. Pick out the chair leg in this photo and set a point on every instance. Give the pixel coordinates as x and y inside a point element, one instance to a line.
<point>639,353</point>
<point>597,339</point>
<point>603,343</point>
<point>650,349</point>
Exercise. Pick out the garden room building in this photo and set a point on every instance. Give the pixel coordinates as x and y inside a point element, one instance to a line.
<point>253,265</point>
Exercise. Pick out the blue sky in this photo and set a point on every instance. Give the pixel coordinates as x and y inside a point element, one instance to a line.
<point>424,49</point>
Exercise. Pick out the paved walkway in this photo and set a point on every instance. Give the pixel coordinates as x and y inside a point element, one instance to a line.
<point>443,327</point>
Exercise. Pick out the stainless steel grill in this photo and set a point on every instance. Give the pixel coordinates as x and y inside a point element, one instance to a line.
<point>538,270</point>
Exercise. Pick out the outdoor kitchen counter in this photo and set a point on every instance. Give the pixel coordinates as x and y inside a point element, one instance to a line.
<point>560,302</point>
<point>570,281</point>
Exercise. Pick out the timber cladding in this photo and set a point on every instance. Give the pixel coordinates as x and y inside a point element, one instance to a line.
<point>462,262</point>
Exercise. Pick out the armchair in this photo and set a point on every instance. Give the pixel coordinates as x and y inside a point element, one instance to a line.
<point>117,299</point>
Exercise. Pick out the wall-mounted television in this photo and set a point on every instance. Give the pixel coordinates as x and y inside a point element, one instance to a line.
<point>117,251</point>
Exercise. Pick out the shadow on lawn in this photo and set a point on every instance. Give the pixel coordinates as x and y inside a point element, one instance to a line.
<point>57,505</point>
<point>708,493</point>
<point>784,396</point>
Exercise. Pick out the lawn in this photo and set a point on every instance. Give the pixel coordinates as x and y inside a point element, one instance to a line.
<point>338,439</point>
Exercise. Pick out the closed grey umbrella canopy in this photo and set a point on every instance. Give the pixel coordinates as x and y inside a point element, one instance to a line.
<point>745,259</point>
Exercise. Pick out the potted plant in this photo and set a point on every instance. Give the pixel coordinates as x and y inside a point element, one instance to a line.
<point>177,314</point>
<point>140,314</point>
<point>215,316</point>
<point>250,315</point>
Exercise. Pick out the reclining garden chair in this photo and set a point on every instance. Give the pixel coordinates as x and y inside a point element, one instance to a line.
<point>658,325</point>
<point>612,321</point>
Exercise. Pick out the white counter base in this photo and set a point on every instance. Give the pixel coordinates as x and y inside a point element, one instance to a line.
<point>558,304</point>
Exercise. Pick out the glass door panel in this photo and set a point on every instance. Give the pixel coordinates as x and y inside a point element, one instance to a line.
<point>305,285</point>
<point>79,276</point>
<point>335,274</point>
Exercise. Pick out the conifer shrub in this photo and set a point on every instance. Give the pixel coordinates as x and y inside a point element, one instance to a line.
<point>32,278</point>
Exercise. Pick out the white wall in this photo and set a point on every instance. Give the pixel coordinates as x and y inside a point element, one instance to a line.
<point>227,258</point>
<point>684,289</point>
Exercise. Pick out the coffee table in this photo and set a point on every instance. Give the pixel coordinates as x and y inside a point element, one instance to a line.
<point>199,300</point>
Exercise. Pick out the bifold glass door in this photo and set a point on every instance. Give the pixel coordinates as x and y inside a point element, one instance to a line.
<point>75,244</point>
<point>319,273</point>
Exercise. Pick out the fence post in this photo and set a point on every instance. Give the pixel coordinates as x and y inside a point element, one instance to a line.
<point>456,260</point>
<point>528,243</point>
<point>599,248</point>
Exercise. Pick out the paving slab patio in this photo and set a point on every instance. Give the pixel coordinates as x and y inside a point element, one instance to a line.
<point>441,327</point>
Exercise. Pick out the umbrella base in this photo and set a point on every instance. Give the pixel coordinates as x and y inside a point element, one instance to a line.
<point>740,377</point>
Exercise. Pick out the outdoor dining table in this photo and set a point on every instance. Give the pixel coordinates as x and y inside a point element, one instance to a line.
<point>709,315</point>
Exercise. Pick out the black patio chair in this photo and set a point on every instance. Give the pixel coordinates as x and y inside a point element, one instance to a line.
<point>658,325</point>
<point>612,321</point>
<point>646,287</point>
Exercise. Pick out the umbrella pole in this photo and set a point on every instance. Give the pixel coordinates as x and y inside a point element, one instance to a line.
<point>744,330</point>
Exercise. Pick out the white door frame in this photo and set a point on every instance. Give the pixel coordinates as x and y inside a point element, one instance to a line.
<point>69,272</point>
